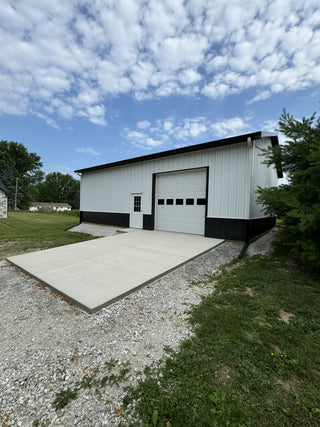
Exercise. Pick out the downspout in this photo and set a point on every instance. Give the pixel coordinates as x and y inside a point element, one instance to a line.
<point>80,175</point>
<point>250,144</point>
<point>243,250</point>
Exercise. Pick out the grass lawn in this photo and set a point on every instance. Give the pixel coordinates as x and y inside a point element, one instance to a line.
<point>29,231</point>
<point>255,356</point>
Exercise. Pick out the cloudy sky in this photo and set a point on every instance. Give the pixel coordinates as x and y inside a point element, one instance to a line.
<point>89,82</point>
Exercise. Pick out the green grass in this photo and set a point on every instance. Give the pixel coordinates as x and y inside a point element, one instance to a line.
<point>27,231</point>
<point>244,366</point>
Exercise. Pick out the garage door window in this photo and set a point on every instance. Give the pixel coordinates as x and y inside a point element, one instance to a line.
<point>179,201</point>
<point>160,201</point>
<point>189,201</point>
<point>201,201</point>
<point>169,201</point>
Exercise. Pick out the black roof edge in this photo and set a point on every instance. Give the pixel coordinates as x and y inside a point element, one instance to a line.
<point>203,146</point>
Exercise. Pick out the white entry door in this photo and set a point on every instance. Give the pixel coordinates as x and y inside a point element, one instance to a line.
<point>136,214</point>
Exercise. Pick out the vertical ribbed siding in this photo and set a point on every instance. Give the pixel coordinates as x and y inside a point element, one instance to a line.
<point>110,190</point>
<point>262,176</point>
<point>242,230</point>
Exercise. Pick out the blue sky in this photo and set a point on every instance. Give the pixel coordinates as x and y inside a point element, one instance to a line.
<point>90,82</point>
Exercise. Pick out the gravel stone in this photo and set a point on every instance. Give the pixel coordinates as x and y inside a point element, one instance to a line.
<point>96,230</point>
<point>48,345</point>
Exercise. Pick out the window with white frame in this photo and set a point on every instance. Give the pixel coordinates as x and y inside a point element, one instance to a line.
<point>137,204</point>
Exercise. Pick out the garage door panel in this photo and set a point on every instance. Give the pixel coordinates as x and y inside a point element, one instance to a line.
<point>185,218</point>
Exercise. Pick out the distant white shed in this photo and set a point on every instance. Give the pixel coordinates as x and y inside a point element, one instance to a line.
<point>44,206</point>
<point>3,201</point>
<point>206,189</point>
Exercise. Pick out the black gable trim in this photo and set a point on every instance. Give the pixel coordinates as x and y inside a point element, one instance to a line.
<point>204,146</point>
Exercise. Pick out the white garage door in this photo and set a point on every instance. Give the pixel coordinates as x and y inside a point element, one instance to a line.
<point>181,201</point>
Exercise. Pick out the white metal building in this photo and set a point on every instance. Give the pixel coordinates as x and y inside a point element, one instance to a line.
<point>206,189</point>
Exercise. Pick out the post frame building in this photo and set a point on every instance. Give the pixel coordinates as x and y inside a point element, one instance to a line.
<point>207,189</point>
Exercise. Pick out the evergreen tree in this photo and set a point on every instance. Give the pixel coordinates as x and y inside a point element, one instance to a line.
<point>297,203</point>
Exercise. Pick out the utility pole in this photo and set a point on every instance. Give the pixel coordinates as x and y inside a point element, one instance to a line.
<point>16,195</point>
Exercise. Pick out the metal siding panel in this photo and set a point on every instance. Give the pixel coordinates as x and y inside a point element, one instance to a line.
<point>226,228</point>
<point>262,176</point>
<point>228,182</point>
<point>106,218</point>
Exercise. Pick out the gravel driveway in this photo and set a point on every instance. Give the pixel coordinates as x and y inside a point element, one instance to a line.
<point>48,345</point>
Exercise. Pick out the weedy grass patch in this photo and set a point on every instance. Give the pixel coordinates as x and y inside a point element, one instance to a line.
<point>28,231</point>
<point>246,365</point>
<point>113,373</point>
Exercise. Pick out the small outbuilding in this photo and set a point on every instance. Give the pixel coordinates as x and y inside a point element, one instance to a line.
<point>3,201</point>
<point>207,189</point>
<point>46,206</point>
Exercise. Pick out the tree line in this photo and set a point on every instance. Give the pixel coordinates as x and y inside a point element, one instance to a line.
<point>20,172</point>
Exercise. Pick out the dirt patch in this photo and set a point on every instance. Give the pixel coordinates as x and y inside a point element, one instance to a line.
<point>234,266</point>
<point>222,374</point>
<point>249,291</point>
<point>262,321</point>
<point>276,349</point>
<point>288,385</point>
<point>253,337</point>
<point>285,316</point>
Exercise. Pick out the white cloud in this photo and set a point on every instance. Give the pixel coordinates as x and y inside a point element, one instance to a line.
<point>218,90</point>
<point>189,76</point>
<point>68,58</point>
<point>95,114</point>
<point>87,150</point>
<point>143,124</point>
<point>229,127</point>
<point>265,94</point>
<point>270,125</point>
<point>140,139</point>
<point>185,131</point>
<point>49,120</point>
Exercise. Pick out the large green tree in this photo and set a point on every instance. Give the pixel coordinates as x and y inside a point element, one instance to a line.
<point>297,203</point>
<point>19,170</point>
<point>59,187</point>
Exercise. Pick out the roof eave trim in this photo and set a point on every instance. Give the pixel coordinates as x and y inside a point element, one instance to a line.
<point>176,151</point>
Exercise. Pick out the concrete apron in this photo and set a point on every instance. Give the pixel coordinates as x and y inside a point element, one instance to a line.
<point>96,273</point>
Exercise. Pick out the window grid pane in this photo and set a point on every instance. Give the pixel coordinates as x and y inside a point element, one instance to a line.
<point>137,204</point>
